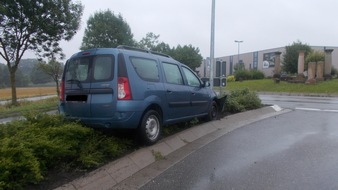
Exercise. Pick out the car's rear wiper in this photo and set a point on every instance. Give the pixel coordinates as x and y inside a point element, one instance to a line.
<point>76,81</point>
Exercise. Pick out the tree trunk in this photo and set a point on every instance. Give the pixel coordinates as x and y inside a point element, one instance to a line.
<point>13,85</point>
<point>57,87</point>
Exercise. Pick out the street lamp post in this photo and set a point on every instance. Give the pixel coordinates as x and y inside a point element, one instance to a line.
<point>220,77</point>
<point>238,42</point>
<point>212,44</point>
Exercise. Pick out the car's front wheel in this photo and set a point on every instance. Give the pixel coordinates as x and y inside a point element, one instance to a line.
<point>213,111</point>
<point>150,127</point>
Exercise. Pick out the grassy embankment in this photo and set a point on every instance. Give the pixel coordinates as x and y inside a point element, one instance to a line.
<point>325,88</point>
<point>26,106</point>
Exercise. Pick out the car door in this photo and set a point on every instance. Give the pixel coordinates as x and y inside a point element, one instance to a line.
<point>89,86</point>
<point>199,96</point>
<point>177,95</point>
<point>77,86</point>
<point>102,84</point>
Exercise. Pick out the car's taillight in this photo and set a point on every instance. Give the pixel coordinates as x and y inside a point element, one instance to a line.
<point>62,91</point>
<point>123,86</point>
<point>123,89</point>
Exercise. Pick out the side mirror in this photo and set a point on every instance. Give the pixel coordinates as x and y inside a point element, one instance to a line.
<point>206,84</point>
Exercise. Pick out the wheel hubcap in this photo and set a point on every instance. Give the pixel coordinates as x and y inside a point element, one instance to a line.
<point>152,127</point>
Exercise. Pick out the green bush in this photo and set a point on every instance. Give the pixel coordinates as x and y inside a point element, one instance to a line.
<point>315,56</point>
<point>241,100</point>
<point>257,74</point>
<point>249,75</point>
<point>231,78</point>
<point>334,71</point>
<point>242,75</point>
<point>31,148</point>
<point>18,165</point>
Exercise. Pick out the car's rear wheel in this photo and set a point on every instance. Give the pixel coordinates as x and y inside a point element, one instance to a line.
<point>150,127</point>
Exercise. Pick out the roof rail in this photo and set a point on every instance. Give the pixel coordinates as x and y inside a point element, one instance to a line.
<point>142,50</point>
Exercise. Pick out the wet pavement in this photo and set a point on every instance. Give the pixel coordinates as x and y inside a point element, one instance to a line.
<point>295,150</point>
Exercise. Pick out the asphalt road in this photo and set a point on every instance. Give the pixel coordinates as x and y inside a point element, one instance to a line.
<point>301,102</point>
<point>295,150</point>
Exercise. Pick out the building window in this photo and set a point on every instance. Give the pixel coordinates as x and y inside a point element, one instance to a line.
<point>255,60</point>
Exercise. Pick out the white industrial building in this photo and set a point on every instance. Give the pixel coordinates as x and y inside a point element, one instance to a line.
<point>262,60</point>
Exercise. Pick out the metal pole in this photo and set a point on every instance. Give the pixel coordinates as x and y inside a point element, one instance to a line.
<point>220,78</point>
<point>212,46</point>
<point>238,42</point>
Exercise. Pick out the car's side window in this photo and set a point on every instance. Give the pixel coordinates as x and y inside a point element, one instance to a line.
<point>103,67</point>
<point>172,73</point>
<point>146,68</point>
<point>191,78</point>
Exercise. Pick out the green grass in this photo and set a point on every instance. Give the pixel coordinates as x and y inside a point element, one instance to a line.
<point>28,106</point>
<point>268,85</point>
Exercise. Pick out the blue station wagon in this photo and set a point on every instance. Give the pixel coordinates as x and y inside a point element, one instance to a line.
<point>130,88</point>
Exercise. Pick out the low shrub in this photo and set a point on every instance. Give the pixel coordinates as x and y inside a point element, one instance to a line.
<point>315,56</point>
<point>334,72</point>
<point>31,148</point>
<point>231,78</point>
<point>18,165</point>
<point>241,100</point>
<point>249,75</point>
<point>257,74</point>
<point>242,75</point>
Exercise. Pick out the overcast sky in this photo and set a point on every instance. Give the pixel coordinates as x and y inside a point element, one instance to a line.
<point>260,24</point>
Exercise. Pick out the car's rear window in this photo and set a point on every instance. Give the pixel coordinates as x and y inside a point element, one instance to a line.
<point>79,68</point>
<point>103,67</point>
<point>147,69</point>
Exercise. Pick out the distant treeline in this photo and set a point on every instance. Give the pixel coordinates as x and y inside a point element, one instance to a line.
<point>27,74</point>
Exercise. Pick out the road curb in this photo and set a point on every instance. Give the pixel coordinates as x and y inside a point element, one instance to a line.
<point>111,174</point>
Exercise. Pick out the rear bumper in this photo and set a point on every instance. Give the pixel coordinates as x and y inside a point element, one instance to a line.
<point>120,120</point>
<point>128,121</point>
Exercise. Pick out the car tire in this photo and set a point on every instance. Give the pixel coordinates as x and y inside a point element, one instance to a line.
<point>150,127</point>
<point>213,111</point>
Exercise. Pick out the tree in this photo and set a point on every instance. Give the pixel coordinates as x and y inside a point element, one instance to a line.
<point>239,66</point>
<point>188,55</point>
<point>53,69</point>
<point>290,58</point>
<point>38,76</point>
<point>21,78</point>
<point>105,30</point>
<point>149,42</point>
<point>163,48</point>
<point>37,25</point>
